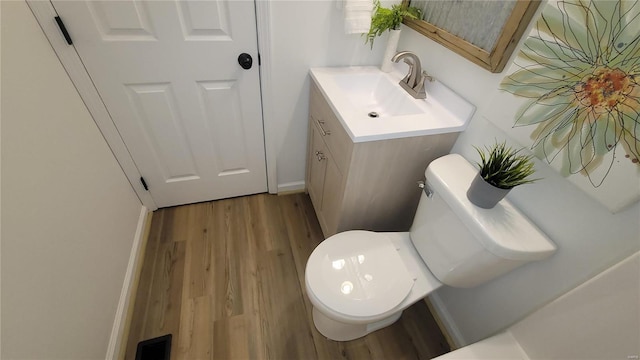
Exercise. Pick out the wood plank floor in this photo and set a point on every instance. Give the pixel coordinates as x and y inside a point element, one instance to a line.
<point>226,279</point>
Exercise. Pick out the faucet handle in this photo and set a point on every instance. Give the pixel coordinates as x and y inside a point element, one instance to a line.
<point>418,90</point>
<point>426,76</point>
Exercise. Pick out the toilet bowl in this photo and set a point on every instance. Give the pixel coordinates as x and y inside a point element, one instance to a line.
<point>361,281</point>
<point>389,276</point>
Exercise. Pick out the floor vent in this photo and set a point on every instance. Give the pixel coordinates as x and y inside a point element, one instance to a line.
<point>154,349</point>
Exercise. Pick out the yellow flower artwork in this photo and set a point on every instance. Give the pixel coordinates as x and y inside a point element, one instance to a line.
<point>578,75</point>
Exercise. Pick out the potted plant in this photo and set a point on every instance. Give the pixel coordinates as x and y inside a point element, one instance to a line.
<point>385,19</point>
<point>501,169</point>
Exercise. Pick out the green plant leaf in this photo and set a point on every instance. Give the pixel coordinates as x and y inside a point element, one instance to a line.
<point>504,167</point>
<point>384,19</point>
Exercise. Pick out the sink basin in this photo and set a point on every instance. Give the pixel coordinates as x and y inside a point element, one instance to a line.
<point>372,106</point>
<point>373,92</point>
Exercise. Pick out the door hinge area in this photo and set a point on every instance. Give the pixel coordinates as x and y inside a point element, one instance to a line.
<point>259,60</point>
<point>63,29</point>
<point>144,183</point>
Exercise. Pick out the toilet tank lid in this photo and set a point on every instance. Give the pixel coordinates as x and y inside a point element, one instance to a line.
<point>503,230</point>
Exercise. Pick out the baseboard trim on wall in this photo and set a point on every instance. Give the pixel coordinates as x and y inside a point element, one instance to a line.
<point>445,321</point>
<point>120,329</point>
<point>291,187</point>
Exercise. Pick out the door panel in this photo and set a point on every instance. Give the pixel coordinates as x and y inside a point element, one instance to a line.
<point>204,20</point>
<point>169,77</point>
<point>121,20</point>
<point>155,107</point>
<point>222,101</point>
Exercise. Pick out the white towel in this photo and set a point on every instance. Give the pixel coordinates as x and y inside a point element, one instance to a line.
<point>357,16</point>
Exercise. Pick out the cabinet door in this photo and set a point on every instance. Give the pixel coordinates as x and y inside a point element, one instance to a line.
<point>335,136</point>
<point>332,196</point>
<point>317,163</point>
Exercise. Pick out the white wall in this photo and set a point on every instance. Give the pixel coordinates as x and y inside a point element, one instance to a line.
<point>599,319</point>
<point>68,213</point>
<point>306,34</point>
<point>589,238</point>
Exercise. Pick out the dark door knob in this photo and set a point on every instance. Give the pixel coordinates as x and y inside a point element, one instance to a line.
<point>245,60</point>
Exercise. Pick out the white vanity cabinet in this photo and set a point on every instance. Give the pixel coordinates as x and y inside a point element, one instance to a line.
<point>369,185</point>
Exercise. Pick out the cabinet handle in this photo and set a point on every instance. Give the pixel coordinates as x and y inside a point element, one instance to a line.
<point>320,155</point>
<point>322,130</point>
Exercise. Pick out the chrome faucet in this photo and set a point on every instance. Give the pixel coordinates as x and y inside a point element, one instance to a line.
<point>413,83</point>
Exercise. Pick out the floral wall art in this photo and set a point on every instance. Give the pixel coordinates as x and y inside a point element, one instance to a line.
<point>572,96</point>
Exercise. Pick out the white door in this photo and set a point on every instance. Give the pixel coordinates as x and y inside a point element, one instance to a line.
<point>169,75</point>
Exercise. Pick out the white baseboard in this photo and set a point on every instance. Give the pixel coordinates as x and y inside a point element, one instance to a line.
<point>295,186</point>
<point>447,321</point>
<point>120,319</point>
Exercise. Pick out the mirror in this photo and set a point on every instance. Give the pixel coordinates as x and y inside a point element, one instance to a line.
<point>484,31</point>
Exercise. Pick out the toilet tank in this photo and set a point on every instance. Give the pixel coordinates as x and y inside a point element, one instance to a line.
<point>464,245</point>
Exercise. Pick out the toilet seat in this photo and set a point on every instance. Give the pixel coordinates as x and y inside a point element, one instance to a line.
<point>358,274</point>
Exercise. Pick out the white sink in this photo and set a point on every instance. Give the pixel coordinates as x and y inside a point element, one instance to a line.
<point>355,93</point>
<point>374,92</point>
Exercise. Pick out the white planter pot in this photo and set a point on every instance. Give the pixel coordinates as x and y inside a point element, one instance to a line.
<point>392,46</point>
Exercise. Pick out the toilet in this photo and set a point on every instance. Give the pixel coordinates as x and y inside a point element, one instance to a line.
<point>361,281</point>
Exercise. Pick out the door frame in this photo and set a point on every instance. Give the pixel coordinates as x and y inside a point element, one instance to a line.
<point>45,13</point>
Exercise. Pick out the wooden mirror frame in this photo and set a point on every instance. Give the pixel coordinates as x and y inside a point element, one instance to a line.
<point>496,59</point>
